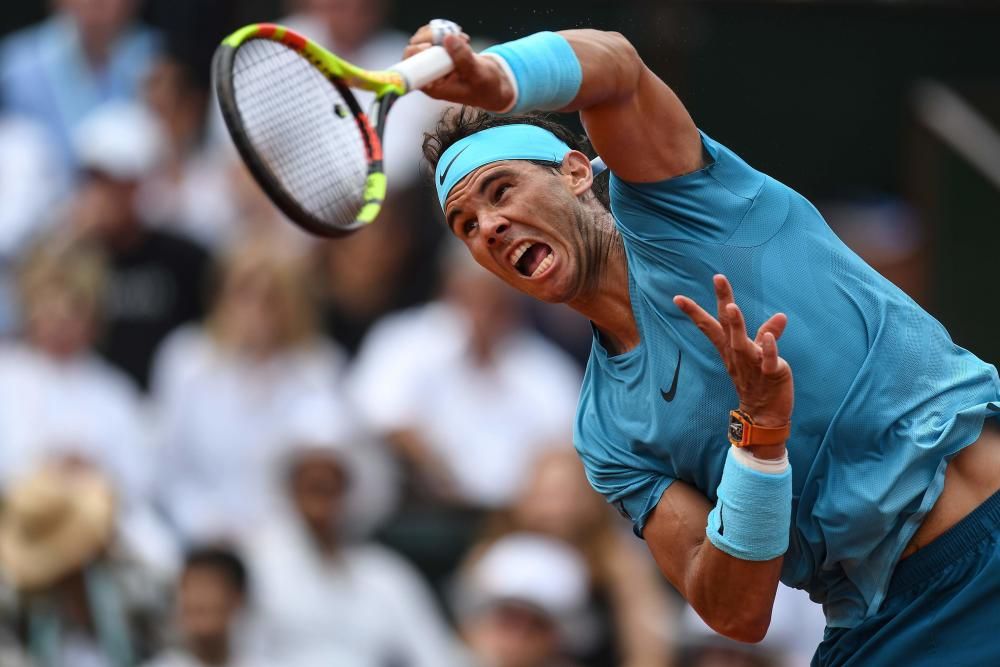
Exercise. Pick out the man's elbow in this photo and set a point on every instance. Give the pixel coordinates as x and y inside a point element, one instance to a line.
<point>625,57</point>
<point>746,626</point>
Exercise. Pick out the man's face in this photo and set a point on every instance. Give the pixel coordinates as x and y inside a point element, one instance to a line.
<point>207,604</point>
<point>521,222</point>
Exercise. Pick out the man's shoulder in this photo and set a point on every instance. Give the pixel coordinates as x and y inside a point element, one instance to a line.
<point>706,204</point>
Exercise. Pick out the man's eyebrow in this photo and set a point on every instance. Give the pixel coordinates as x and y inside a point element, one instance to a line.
<point>486,182</point>
<point>455,212</point>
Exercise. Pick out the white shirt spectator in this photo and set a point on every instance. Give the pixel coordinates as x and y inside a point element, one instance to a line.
<point>485,422</point>
<point>81,407</point>
<point>365,607</point>
<point>220,428</point>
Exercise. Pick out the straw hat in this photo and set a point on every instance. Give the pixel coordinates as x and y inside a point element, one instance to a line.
<point>53,522</point>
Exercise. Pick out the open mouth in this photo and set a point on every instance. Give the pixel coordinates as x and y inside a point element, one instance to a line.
<point>532,259</point>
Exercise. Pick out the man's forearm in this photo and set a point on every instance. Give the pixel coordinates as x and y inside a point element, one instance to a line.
<point>610,65</point>
<point>732,595</point>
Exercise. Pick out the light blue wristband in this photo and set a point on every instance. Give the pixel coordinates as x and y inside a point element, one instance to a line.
<point>545,68</point>
<point>752,517</point>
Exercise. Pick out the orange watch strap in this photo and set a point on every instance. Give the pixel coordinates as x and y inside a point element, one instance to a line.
<point>753,435</point>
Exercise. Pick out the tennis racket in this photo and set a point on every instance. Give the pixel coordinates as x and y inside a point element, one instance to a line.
<point>288,105</point>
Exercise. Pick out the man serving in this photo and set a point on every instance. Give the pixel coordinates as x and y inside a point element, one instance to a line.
<point>884,504</point>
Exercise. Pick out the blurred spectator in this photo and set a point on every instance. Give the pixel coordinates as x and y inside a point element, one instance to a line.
<point>222,388</point>
<point>210,615</point>
<point>323,600</point>
<point>57,399</point>
<point>190,193</point>
<point>157,278</point>
<point>356,31</point>
<point>88,53</point>
<point>77,605</point>
<point>515,601</point>
<point>378,269</point>
<point>628,620</point>
<point>797,627</point>
<point>464,390</point>
<point>30,183</point>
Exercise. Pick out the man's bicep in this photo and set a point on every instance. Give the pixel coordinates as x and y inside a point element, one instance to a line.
<point>675,530</point>
<point>635,121</point>
<point>648,137</point>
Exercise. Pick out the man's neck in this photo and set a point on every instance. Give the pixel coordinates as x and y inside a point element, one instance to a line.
<point>606,301</point>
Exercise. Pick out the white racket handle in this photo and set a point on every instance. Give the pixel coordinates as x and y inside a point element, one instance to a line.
<point>422,68</point>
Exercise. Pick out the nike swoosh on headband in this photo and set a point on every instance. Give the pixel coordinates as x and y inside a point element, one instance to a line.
<point>448,166</point>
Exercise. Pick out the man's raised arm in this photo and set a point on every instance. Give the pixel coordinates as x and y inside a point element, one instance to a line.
<point>635,121</point>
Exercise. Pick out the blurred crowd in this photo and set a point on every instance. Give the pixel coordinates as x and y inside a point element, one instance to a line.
<point>224,443</point>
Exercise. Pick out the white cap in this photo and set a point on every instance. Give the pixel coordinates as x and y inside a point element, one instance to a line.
<point>540,571</point>
<point>120,139</point>
<point>321,424</point>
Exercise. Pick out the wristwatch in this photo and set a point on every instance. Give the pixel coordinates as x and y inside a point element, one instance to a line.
<point>744,433</point>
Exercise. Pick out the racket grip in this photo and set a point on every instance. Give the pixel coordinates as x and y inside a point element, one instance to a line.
<point>427,66</point>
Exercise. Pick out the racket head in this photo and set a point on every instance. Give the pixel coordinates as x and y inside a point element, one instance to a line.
<point>289,109</point>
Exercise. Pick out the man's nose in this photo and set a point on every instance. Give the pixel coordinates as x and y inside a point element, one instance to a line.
<point>494,228</point>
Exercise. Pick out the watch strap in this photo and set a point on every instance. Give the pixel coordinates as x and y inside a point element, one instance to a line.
<point>743,432</point>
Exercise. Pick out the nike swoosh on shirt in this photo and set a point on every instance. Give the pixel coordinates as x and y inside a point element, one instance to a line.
<point>451,162</point>
<point>668,395</point>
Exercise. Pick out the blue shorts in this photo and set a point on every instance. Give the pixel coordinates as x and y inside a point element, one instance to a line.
<point>942,607</point>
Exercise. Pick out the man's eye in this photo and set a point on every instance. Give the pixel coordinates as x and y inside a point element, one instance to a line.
<point>499,193</point>
<point>469,227</point>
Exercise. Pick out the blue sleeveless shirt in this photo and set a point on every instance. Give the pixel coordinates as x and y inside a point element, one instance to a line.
<point>883,397</point>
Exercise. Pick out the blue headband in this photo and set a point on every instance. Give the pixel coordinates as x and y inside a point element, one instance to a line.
<point>505,142</point>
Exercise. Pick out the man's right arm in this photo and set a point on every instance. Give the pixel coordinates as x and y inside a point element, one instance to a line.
<point>733,596</point>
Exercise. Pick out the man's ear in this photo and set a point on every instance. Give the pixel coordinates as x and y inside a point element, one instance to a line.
<point>577,172</point>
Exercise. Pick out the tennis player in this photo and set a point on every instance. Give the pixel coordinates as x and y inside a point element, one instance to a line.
<point>878,493</point>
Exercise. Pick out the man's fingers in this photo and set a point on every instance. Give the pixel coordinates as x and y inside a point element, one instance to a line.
<point>769,346</point>
<point>737,327</point>
<point>461,54</point>
<point>425,35</point>
<point>705,322</point>
<point>413,49</point>
<point>775,325</point>
<point>723,291</point>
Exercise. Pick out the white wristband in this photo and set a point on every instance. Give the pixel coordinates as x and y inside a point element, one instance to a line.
<point>769,466</point>
<point>509,73</point>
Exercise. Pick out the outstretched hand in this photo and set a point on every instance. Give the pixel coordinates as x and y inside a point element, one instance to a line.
<point>763,380</point>
<point>476,81</point>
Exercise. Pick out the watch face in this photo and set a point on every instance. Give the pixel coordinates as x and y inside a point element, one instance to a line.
<point>736,430</point>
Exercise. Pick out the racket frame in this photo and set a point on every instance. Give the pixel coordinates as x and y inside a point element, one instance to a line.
<point>387,85</point>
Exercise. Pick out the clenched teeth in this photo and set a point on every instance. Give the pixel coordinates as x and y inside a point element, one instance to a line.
<point>519,251</point>
<point>543,265</point>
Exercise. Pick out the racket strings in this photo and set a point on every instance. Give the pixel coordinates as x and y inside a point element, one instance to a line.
<point>303,130</point>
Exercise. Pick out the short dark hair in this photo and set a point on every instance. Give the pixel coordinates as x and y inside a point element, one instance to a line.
<point>456,124</point>
<point>223,561</point>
